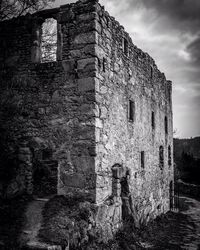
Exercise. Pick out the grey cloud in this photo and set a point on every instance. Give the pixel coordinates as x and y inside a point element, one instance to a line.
<point>154,24</point>
<point>184,16</point>
<point>178,9</point>
<point>194,50</point>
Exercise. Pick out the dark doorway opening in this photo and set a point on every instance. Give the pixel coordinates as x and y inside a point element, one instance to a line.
<point>171,203</point>
<point>121,189</point>
<point>126,199</point>
<point>45,175</point>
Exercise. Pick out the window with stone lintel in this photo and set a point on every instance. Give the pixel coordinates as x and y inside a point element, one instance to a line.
<point>45,44</point>
<point>49,40</point>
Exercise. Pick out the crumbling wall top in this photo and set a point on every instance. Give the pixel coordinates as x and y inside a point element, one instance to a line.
<point>134,51</point>
<point>67,12</point>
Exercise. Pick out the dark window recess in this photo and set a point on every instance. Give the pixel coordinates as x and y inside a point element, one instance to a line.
<point>142,159</point>
<point>47,154</point>
<point>104,64</point>
<point>131,112</point>
<point>49,40</point>
<point>171,202</point>
<point>99,63</point>
<point>151,72</point>
<point>125,46</point>
<point>161,157</point>
<point>153,120</point>
<point>169,156</point>
<point>166,125</point>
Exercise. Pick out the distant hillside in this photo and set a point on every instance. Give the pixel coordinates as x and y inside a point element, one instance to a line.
<point>189,146</point>
<point>187,159</point>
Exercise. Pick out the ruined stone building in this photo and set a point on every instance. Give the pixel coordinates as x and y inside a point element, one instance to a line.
<point>93,115</point>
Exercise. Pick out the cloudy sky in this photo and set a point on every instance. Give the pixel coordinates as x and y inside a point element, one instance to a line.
<point>169,30</point>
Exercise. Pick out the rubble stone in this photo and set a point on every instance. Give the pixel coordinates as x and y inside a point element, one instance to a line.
<point>91,109</point>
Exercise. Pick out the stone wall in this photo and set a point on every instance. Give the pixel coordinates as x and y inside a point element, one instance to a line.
<point>78,108</point>
<point>130,74</point>
<point>50,106</point>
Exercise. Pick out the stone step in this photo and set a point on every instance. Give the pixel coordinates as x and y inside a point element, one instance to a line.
<point>41,246</point>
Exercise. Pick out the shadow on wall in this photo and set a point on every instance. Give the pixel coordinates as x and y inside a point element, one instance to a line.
<point>45,174</point>
<point>28,168</point>
<point>120,188</point>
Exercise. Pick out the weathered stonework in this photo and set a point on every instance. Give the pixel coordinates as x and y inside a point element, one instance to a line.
<point>77,109</point>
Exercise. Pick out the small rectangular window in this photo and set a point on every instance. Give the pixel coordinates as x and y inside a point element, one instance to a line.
<point>161,157</point>
<point>151,72</point>
<point>125,46</point>
<point>104,64</point>
<point>153,120</point>
<point>131,112</point>
<point>166,125</point>
<point>142,159</point>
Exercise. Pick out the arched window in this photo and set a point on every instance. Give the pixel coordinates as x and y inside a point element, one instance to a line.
<point>161,157</point>
<point>169,156</point>
<point>49,40</point>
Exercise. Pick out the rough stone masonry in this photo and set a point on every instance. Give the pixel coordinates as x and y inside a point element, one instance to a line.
<point>97,120</point>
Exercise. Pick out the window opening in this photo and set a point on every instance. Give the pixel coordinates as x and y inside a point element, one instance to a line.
<point>131,110</point>
<point>161,157</point>
<point>153,120</point>
<point>151,72</point>
<point>142,159</point>
<point>104,64</point>
<point>169,156</point>
<point>166,125</point>
<point>125,46</point>
<point>171,203</point>
<point>49,40</point>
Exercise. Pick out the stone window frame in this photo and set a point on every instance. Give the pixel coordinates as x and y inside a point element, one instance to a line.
<point>36,52</point>
<point>161,157</point>
<point>131,110</point>
<point>43,49</point>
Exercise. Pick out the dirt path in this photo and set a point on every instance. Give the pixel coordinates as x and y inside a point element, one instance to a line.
<point>192,238</point>
<point>176,230</point>
<point>33,218</point>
